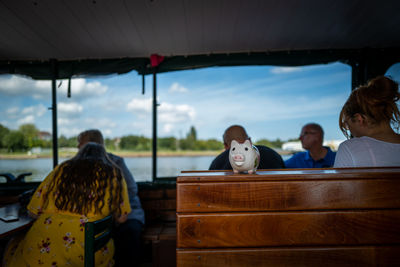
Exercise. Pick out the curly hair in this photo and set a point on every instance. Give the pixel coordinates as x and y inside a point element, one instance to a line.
<point>376,100</point>
<point>83,181</point>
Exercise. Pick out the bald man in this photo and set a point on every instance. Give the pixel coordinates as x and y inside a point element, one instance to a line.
<point>269,159</point>
<point>317,155</point>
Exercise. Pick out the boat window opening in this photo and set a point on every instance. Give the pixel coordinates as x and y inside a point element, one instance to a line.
<point>272,103</point>
<point>113,104</point>
<point>194,108</point>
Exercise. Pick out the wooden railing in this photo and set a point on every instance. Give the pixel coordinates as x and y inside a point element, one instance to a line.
<point>308,217</point>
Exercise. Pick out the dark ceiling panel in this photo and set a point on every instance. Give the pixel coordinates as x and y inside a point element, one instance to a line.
<point>103,29</point>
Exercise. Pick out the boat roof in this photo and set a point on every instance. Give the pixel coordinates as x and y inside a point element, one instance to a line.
<point>91,37</point>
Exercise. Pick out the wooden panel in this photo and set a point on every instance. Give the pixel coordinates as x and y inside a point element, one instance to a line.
<point>170,193</point>
<point>151,194</point>
<point>152,232</point>
<point>288,195</point>
<point>163,193</point>
<point>288,228</point>
<point>323,256</point>
<point>164,254</point>
<point>291,174</point>
<point>156,216</point>
<point>159,204</point>
<point>168,232</point>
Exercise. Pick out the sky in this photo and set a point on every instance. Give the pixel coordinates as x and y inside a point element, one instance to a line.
<point>270,102</point>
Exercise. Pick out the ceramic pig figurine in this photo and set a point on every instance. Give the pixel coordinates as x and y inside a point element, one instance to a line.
<point>244,157</point>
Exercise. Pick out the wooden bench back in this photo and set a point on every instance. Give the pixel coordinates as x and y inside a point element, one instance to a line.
<point>159,203</point>
<point>159,235</point>
<point>289,217</point>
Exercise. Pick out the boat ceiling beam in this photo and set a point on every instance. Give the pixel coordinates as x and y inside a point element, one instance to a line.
<point>41,70</point>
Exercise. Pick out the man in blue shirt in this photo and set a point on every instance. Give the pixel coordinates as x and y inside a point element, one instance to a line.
<point>317,155</point>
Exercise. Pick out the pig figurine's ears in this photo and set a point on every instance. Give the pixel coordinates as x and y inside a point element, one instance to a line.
<point>234,143</point>
<point>247,142</point>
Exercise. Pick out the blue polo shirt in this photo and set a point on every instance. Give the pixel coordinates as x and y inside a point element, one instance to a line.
<point>304,160</point>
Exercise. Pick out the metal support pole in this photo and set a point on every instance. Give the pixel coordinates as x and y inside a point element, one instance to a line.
<point>358,74</point>
<point>143,84</point>
<point>154,124</point>
<point>54,71</point>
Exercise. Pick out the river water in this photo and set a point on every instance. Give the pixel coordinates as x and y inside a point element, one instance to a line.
<point>140,167</point>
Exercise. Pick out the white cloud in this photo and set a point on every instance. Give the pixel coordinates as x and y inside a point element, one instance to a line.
<point>16,85</point>
<point>177,88</point>
<point>69,131</point>
<point>12,111</point>
<point>25,115</point>
<point>65,121</point>
<point>280,70</point>
<point>168,128</point>
<point>169,113</point>
<point>69,109</point>
<point>107,132</point>
<point>27,119</point>
<point>38,110</point>
<point>138,106</point>
<point>81,88</point>
<point>100,123</point>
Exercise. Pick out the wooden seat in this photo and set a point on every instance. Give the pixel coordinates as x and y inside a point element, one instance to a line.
<point>308,217</point>
<point>97,234</point>
<point>159,235</point>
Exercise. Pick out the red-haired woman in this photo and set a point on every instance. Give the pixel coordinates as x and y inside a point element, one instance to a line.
<point>370,114</point>
<point>85,188</point>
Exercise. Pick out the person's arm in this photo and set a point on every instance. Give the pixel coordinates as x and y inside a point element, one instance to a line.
<point>130,182</point>
<point>125,206</point>
<point>120,218</point>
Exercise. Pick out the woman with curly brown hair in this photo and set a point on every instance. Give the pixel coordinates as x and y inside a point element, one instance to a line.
<point>370,114</point>
<point>85,188</point>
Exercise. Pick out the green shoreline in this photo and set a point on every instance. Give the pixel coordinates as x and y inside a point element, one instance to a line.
<point>125,154</point>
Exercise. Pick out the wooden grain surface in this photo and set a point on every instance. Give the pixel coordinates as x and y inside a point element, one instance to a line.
<point>301,256</point>
<point>288,195</point>
<point>260,229</point>
<point>290,174</point>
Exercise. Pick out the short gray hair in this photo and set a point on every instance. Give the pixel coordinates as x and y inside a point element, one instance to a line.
<point>92,135</point>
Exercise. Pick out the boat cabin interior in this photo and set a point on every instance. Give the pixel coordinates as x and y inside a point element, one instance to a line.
<point>58,40</point>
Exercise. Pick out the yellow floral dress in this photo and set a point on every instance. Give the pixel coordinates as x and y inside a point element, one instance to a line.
<point>56,238</point>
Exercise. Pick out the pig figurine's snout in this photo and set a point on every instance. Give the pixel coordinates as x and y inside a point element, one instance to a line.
<point>238,157</point>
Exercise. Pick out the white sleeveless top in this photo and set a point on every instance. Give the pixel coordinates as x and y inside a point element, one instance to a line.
<point>367,152</point>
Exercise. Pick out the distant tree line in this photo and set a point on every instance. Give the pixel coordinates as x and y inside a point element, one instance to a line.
<point>141,143</point>
<point>23,139</point>
<point>29,136</point>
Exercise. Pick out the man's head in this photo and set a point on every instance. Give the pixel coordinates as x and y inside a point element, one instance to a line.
<point>311,136</point>
<point>92,135</point>
<point>234,132</point>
